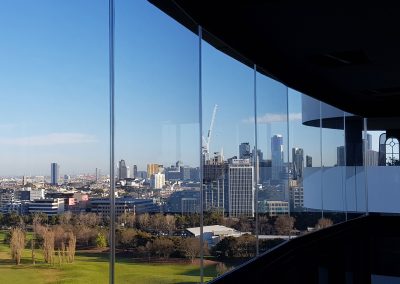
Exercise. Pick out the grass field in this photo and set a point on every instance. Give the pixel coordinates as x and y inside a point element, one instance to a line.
<point>93,268</point>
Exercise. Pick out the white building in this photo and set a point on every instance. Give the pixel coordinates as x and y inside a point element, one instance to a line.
<point>49,206</point>
<point>275,208</point>
<point>213,234</point>
<point>157,181</point>
<point>241,188</point>
<point>36,193</point>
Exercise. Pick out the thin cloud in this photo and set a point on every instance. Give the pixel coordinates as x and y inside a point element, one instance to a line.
<point>274,117</point>
<point>50,139</point>
<point>7,125</point>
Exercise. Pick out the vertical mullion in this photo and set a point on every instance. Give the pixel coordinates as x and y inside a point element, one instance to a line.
<point>112,175</point>
<point>201,157</point>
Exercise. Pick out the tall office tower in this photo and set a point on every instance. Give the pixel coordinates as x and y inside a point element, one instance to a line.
<point>55,174</point>
<point>122,170</point>
<point>297,163</point>
<point>97,174</point>
<point>241,188</point>
<point>24,182</point>
<point>340,153</point>
<point>128,172</point>
<point>260,155</point>
<point>244,150</point>
<point>157,180</point>
<point>277,156</point>
<point>308,161</point>
<point>134,171</point>
<point>152,169</point>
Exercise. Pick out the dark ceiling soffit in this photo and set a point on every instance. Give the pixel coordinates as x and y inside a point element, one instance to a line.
<point>172,9</point>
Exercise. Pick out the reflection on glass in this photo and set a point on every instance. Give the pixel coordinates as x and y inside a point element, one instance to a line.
<point>305,180</point>
<point>228,158</point>
<point>275,223</point>
<point>156,149</point>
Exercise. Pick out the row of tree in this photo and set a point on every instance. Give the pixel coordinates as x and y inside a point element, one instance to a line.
<point>48,239</point>
<point>158,223</point>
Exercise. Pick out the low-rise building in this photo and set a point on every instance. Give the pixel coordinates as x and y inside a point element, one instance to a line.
<point>274,208</point>
<point>215,233</point>
<point>49,206</point>
<point>123,205</point>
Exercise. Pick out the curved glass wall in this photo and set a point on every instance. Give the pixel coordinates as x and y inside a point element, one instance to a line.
<point>214,162</point>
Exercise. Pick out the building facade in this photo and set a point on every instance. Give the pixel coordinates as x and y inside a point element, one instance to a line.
<point>241,188</point>
<point>55,173</point>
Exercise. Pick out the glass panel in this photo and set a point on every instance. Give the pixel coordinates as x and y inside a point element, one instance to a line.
<point>382,167</point>
<point>157,150</point>
<point>333,166</point>
<point>306,175</point>
<point>54,141</point>
<point>355,175</point>
<point>228,151</point>
<point>273,195</point>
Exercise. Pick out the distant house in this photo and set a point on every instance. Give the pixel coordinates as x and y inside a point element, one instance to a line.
<point>213,234</point>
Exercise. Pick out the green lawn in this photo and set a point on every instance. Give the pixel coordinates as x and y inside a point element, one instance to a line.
<point>93,268</point>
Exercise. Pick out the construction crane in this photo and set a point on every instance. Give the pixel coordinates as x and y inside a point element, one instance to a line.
<point>206,141</point>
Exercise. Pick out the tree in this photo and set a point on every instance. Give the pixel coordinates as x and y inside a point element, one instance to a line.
<point>221,268</point>
<point>246,246</point>
<point>65,218</point>
<point>170,224</point>
<point>284,224</point>
<point>264,226</point>
<point>157,223</point>
<point>323,223</point>
<point>59,236</point>
<point>128,219</point>
<point>191,248</point>
<point>101,240</point>
<point>227,247</point>
<point>126,238</point>
<point>17,244</point>
<point>48,246</point>
<point>162,247</point>
<point>84,234</point>
<point>213,218</point>
<point>33,250</point>
<point>144,221</point>
<point>71,247</point>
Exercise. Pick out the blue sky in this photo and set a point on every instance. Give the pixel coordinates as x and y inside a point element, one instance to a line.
<point>54,90</point>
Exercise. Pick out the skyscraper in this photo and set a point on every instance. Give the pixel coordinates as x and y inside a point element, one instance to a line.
<point>298,163</point>
<point>122,170</point>
<point>152,169</point>
<point>277,156</point>
<point>55,173</point>
<point>244,150</point>
<point>134,171</point>
<point>241,188</point>
<point>98,174</point>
